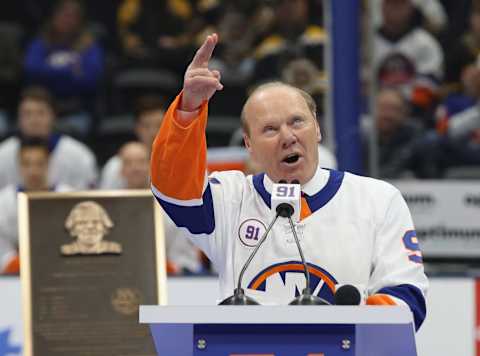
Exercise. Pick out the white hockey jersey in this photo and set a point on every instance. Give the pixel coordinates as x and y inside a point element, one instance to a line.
<point>353,230</point>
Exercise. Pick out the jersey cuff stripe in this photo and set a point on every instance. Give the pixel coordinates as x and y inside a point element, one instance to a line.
<point>191,202</point>
<point>196,219</point>
<point>413,297</point>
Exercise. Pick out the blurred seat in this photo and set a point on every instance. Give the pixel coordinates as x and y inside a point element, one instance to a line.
<point>129,84</point>
<point>147,78</point>
<point>112,132</point>
<point>220,129</point>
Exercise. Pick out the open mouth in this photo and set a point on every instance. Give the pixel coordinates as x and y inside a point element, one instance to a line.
<point>291,158</point>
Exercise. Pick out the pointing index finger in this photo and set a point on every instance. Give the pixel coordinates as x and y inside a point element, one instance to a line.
<point>204,53</point>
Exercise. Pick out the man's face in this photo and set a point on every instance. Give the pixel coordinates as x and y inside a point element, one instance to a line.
<point>34,168</point>
<point>68,18</point>
<point>397,13</point>
<point>292,12</point>
<point>135,166</point>
<point>89,229</point>
<point>35,118</point>
<point>148,125</point>
<point>391,112</point>
<point>470,77</point>
<point>283,134</point>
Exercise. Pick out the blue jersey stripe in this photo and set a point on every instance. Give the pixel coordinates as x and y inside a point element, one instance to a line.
<point>320,199</point>
<point>197,219</point>
<point>413,297</point>
<point>260,188</point>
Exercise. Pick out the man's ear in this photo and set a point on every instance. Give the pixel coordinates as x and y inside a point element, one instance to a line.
<point>318,132</point>
<point>248,145</point>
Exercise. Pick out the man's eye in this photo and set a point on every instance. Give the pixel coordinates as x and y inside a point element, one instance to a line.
<point>269,129</point>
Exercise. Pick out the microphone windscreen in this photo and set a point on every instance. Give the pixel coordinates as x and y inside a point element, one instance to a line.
<point>347,295</point>
<point>282,181</point>
<point>295,181</point>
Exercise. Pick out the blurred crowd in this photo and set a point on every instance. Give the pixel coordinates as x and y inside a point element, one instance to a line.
<point>83,88</point>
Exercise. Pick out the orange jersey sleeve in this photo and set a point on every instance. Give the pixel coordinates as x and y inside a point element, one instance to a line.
<point>179,155</point>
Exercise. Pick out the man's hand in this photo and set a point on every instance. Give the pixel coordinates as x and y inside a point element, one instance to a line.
<point>200,83</point>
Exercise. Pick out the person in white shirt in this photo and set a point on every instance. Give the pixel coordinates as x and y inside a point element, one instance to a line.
<point>33,157</point>
<point>72,162</point>
<point>149,112</point>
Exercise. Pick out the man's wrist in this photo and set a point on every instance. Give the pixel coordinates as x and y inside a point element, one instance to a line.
<point>184,118</point>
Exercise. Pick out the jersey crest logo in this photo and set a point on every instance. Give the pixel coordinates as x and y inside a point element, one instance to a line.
<point>288,278</point>
<point>251,231</point>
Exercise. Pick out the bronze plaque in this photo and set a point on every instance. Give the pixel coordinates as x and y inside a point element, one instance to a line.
<point>88,260</point>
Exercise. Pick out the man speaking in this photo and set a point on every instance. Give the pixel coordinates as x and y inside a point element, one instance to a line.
<point>353,230</point>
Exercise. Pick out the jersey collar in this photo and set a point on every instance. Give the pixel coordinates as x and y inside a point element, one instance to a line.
<point>313,186</point>
<point>318,191</point>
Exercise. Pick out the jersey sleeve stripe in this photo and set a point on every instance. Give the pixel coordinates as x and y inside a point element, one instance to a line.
<point>179,156</point>
<point>413,297</point>
<point>191,202</point>
<point>196,219</point>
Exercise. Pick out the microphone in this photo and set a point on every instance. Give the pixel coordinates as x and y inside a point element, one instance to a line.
<point>347,295</point>
<point>288,194</point>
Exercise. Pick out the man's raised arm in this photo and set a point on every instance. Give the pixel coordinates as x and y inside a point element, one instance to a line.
<point>179,152</point>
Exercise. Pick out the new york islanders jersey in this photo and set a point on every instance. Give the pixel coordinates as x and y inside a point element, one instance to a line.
<point>353,230</point>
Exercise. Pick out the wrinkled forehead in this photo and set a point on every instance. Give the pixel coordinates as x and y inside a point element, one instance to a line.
<point>274,100</point>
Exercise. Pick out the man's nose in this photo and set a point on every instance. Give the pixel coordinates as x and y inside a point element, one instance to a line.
<point>288,137</point>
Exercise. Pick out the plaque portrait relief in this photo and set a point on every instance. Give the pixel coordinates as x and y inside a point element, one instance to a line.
<point>88,223</point>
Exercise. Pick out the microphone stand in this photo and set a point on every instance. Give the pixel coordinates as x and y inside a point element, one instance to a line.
<point>239,297</point>
<point>306,298</point>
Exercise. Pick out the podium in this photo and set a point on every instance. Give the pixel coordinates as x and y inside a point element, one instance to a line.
<point>281,330</point>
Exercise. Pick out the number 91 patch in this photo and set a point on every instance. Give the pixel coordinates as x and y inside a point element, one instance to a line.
<point>251,231</point>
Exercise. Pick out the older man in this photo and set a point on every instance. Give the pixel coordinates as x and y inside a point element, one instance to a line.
<point>354,230</point>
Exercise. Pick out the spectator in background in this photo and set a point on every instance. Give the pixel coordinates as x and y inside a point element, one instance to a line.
<point>463,52</point>
<point>234,61</point>
<point>428,13</point>
<point>72,162</point>
<point>159,33</point>
<point>149,113</point>
<point>399,138</point>
<point>457,140</point>
<point>134,160</point>
<point>407,57</point>
<point>464,96</point>
<point>293,36</point>
<point>33,158</point>
<point>182,256</point>
<point>67,60</point>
